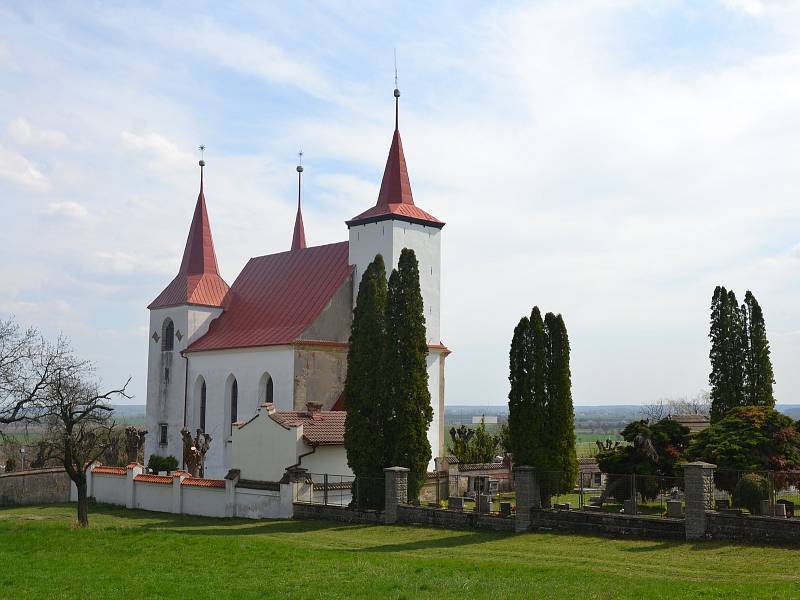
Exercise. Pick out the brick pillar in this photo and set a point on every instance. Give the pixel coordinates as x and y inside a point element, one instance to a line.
<point>698,480</point>
<point>528,496</point>
<point>396,491</point>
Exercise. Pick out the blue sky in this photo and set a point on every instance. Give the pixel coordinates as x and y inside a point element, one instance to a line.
<point>609,160</point>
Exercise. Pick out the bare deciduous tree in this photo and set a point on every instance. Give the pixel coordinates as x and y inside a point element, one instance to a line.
<point>26,364</point>
<point>699,404</point>
<point>78,422</point>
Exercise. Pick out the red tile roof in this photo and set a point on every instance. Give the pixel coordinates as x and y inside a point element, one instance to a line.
<point>198,280</point>
<point>395,199</point>
<point>276,297</point>
<point>323,428</point>
<point>160,479</point>
<point>110,470</point>
<point>207,483</point>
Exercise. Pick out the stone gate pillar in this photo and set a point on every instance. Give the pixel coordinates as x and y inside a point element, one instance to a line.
<point>395,491</point>
<point>698,480</point>
<point>528,496</point>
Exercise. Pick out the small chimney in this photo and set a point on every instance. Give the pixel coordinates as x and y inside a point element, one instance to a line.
<point>313,409</point>
<point>270,407</point>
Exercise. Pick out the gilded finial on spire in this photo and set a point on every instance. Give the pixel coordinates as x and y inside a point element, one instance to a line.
<point>299,235</point>
<point>396,95</point>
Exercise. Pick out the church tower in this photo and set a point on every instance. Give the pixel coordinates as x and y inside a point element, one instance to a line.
<point>178,316</point>
<point>394,223</point>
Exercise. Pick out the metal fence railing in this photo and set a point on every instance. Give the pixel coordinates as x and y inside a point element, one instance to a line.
<point>768,493</point>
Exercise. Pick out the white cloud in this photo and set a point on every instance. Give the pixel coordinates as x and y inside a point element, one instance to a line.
<point>119,262</point>
<point>72,211</point>
<point>160,151</point>
<point>753,8</point>
<point>22,132</point>
<point>19,170</point>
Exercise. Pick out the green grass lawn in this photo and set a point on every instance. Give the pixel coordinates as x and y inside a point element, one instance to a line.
<point>133,554</point>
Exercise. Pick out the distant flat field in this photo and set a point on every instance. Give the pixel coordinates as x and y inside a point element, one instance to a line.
<point>134,554</point>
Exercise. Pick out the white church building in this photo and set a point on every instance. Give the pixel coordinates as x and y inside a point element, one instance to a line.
<point>223,357</point>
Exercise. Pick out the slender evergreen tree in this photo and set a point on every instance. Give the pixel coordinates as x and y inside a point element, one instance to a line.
<point>560,421</point>
<point>541,419</point>
<point>728,343</point>
<point>407,396</point>
<point>520,406</point>
<point>364,388</point>
<point>758,365</point>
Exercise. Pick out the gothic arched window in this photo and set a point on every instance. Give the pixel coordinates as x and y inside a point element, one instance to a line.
<point>167,335</point>
<point>265,388</point>
<point>234,402</point>
<point>203,407</point>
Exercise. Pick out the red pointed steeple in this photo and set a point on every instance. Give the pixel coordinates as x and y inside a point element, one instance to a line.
<point>395,200</point>
<point>198,280</point>
<point>299,235</point>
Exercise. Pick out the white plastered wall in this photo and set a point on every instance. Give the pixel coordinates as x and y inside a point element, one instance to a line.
<point>388,238</point>
<point>165,399</point>
<point>248,367</point>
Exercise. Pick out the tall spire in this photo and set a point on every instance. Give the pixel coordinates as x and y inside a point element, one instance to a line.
<point>395,199</point>
<point>199,256</point>
<point>198,280</point>
<point>299,235</point>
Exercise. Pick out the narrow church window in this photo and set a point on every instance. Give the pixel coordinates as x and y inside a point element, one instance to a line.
<point>203,407</point>
<point>162,434</point>
<point>268,391</point>
<point>168,336</point>
<point>166,375</point>
<point>234,402</point>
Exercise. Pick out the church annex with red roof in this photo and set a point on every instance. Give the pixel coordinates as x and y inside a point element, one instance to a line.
<point>278,334</point>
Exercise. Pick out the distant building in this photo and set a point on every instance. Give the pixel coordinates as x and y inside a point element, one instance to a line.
<point>695,423</point>
<point>476,420</point>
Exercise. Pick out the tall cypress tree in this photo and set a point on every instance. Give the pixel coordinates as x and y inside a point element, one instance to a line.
<point>541,419</point>
<point>758,364</point>
<point>728,343</point>
<point>364,387</point>
<point>520,406</point>
<point>408,398</point>
<point>560,422</point>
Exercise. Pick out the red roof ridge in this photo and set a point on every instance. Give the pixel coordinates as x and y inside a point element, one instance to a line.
<point>198,280</point>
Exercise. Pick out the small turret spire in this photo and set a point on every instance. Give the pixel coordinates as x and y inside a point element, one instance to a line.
<point>299,235</point>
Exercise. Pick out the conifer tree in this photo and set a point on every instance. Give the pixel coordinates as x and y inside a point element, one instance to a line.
<point>758,365</point>
<point>364,388</point>
<point>520,405</point>
<point>407,396</point>
<point>728,343</point>
<point>541,419</point>
<point>560,421</point>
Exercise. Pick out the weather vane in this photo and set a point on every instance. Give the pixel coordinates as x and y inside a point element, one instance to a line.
<point>202,149</point>
<point>395,67</point>
<point>300,162</point>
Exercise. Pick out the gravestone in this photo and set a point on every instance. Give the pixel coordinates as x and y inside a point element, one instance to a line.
<point>674,509</point>
<point>788,507</point>
<point>780,510</point>
<point>455,503</point>
<point>505,509</point>
<point>723,504</point>
<point>629,507</point>
<point>484,504</point>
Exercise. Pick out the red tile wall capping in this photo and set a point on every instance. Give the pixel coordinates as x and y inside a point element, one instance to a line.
<point>206,483</point>
<point>160,479</point>
<point>276,297</point>
<point>110,470</point>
